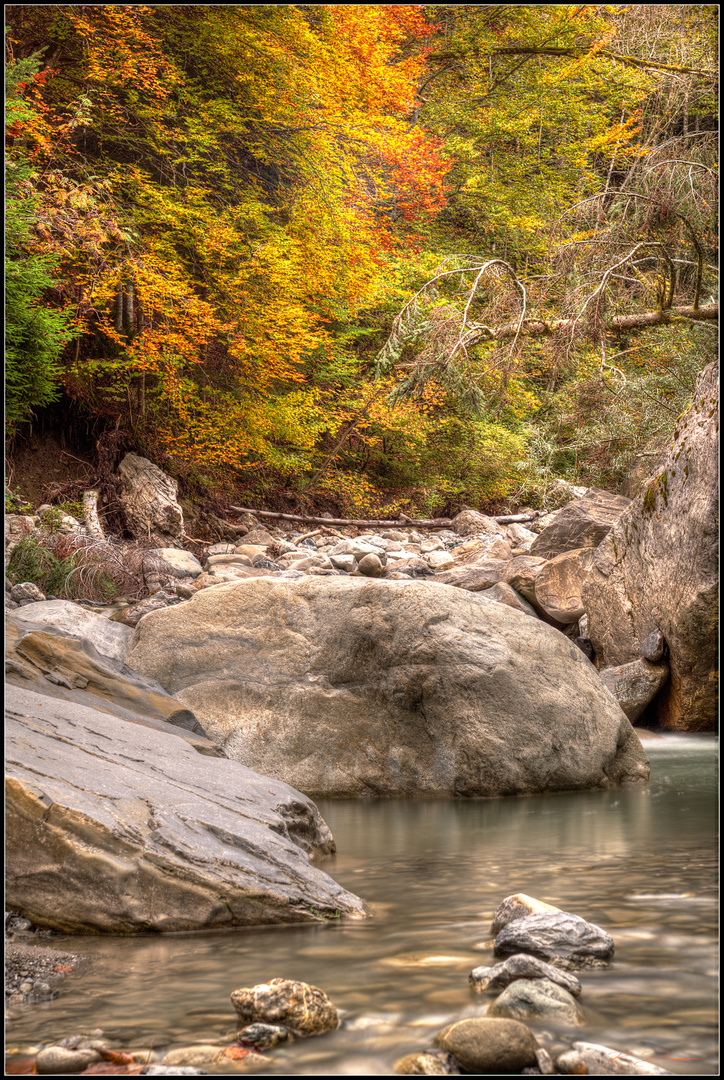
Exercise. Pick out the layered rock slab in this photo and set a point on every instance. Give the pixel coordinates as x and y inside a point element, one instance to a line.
<point>112,827</point>
<point>659,569</point>
<point>361,687</point>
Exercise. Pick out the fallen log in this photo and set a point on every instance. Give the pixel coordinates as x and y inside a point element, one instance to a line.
<point>402,522</point>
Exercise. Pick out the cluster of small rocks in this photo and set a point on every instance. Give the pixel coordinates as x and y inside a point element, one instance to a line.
<point>543,945</point>
<point>32,971</point>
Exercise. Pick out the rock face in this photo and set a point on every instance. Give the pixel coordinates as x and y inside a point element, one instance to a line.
<point>303,1009</point>
<point>113,827</point>
<point>583,523</point>
<point>558,585</point>
<point>347,687</point>
<point>149,499</point>
<point>111,639</point>
<point>658,569</point>
<point>561,938</point>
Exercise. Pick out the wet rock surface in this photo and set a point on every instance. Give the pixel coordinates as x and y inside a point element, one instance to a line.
<point>489,1045</point>
<point>562,939</point>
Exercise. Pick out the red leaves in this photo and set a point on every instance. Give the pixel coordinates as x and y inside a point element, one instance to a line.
<point>17,1065</point>
<point>64,967</point>
<point>236,1053</point>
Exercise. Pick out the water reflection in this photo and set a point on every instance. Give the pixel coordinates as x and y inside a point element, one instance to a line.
<point>640,861</point>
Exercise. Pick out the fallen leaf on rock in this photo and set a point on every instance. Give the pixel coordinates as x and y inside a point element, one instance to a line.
<point>14,1066</point>
<point>236,1052</point>
<point>118,1057</point>
<point>64,967</point>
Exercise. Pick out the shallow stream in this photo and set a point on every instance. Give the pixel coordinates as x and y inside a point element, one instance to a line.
<point>638,861</point>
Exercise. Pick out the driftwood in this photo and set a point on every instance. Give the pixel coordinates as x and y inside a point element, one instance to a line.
<point>401,522</point>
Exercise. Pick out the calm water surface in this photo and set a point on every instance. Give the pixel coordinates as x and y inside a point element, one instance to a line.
<point>640,862</point>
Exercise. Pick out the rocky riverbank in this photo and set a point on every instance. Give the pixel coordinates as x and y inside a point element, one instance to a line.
<point>539,948</point>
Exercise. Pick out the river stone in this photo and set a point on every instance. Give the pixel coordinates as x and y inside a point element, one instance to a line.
<point>348,686</point>
<point>558,584</point>
<point>427,1063</point>
<point>250,550</point>
<point>592,1058</point>
<point>264,1036</point>
<point>566,940</point>
<point>490,546</point>
<point>491,980</point>
<point>653,647</point>
<point>26,592</point>
<point>519,534</point>
<point>534,998</point>
<point>482,575</point>
<point>583,523</point>
<point>150,502</point>
<point>521,573</point>
<point>504,594</point>
<point>113,827</point>
<point>64,1059</point>
<point>260,536</point>
<point>470,521</point>
<point>659,568</point>
<point>109,638</point>
<point>182,563</point>
<point>518,906</point>
<point>634,685</point>
<point>303,1009</point>
<point>489,1045</point>
<point>344,561</point>
<point>371,566</point>
<point>233,558</point>
<point>212,1054</point>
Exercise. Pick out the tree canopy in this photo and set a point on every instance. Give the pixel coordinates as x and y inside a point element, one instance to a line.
<point>390,256</point>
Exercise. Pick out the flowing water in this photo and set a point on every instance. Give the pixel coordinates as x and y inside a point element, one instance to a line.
<point>638,861</point>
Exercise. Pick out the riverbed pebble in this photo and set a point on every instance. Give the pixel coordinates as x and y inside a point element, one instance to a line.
<point>302,1008</point>
<point>489,1045</point>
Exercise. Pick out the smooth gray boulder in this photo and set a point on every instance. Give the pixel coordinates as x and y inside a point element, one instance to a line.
<point>117,828</point>
<point>352,686</point>
<point>489,1045</point>
<point>558,585</point>
<point>565,940</point>
<point>659,569</point>
<point>109,638</point>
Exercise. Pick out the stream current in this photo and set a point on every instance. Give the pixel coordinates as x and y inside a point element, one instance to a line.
<point>638,861</point>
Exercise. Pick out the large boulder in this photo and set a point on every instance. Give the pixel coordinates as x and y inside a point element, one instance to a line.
<point>659,568</point>
<point>583,523</point>
<point>150,502</point>
<point>112,827</point>
<point>351,686</point>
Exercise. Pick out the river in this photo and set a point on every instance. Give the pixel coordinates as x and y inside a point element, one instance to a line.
<point>638,861</point>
